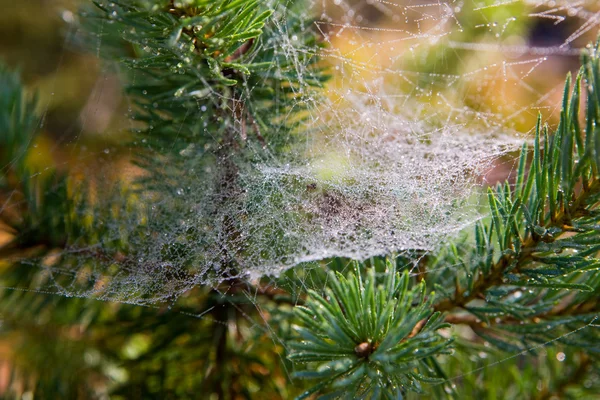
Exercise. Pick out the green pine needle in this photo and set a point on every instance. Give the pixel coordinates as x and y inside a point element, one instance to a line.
<point>368,336</point>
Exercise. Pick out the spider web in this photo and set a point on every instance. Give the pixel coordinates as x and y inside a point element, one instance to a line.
<point>426,105</point>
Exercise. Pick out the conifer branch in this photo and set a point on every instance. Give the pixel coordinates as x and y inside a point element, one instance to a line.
<point>368,338</point>
<point>551,211</point>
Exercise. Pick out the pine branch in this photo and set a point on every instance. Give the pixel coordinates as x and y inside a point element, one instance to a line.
<point>206,68</point>
<point>550,212</point>
<point>369,338</point>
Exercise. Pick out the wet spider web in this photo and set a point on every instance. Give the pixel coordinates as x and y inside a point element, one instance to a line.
<point>427,104</point>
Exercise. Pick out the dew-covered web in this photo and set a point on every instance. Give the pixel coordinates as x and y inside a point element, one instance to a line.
<point>426,105</point>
